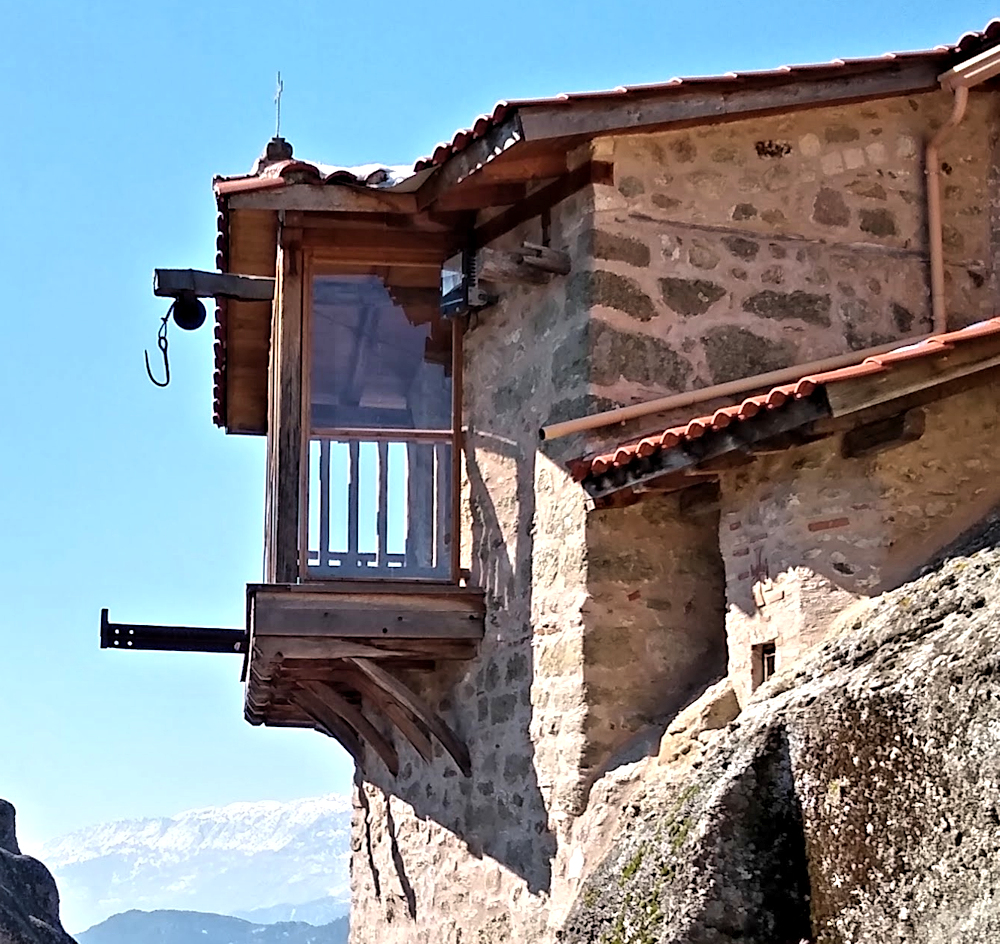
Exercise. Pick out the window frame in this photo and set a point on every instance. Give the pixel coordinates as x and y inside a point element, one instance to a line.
<point>317,264</point>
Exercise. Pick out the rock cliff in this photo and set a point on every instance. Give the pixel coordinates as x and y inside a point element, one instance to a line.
<point>29,900</point>
<point>856,799</point>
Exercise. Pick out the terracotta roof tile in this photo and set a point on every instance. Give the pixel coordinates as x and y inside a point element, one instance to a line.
<point>774,399</point>
<point>968,44</point>
<point>283,172</point>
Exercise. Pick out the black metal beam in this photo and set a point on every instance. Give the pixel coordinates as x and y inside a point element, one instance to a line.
<point>171,638</point>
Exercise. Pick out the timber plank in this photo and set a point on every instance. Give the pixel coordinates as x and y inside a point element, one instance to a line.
<point>352,621</point>
<point>907,377</point>
<point>330,725</point>
<point>324,648</point>
<point>286,447</point>
<point>588,118</point>
<point>328,198</point>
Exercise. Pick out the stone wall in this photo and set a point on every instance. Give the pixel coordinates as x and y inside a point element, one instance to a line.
<point>654,631</point>
<point>806,533</point>
<point>731,249</point>
<point>436,855</point>
<point>598,625</point>
<point>719,252</point>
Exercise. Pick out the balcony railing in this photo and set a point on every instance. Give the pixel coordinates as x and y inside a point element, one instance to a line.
<point>380,507</point>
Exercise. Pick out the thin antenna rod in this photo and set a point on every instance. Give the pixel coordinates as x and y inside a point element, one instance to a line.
<point>277,106</point>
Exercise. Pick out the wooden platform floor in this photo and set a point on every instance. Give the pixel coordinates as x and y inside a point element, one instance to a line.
<point>330,656</point>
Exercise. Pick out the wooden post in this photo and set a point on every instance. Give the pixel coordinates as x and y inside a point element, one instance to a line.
<point>285,423</point>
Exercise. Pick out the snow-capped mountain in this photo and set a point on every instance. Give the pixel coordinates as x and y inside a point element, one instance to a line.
<point>231,859</point>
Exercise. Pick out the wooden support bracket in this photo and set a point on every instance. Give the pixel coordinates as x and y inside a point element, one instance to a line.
<point>414,732</point>
<point>400,693</point>
<point>330,725</point>
<point>530,265</point>
<point>342,708</point>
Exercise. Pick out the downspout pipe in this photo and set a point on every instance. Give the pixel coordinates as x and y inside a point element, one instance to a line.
<point>959,80</point>
<point>932,165</point>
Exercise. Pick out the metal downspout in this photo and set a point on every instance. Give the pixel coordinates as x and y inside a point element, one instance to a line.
<point>932,165</point>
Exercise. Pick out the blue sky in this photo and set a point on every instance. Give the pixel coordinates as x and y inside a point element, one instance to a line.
<point>115,493</point>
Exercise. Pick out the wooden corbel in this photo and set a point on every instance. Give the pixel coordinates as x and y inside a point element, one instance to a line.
<point>532,264</point>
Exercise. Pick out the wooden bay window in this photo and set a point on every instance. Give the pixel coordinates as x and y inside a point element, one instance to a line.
<point>365,414</point>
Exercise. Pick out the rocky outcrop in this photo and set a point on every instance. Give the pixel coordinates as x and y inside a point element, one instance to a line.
<point>29,900</point>
<point>856,799</point>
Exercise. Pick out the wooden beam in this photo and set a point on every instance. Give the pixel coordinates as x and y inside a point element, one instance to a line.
<point>593,172</point>
<point>421,256</point>
<point>546,259</point>
<point>377,238</point>
<point>906,377</point>
<point>530,265</point>
<point>505,266</point>
<point>412,730</point>
<point>325,648</point>
<point>285,425</point>
<point>869,439</point>
<point>587,118</point>
<point>355,717</point>
<point>496,141</point>
<point>329,724</point>
<point>328,198</point>
<point>925,397</point>
<point>372,614</point>
<point>512,166</point>
<point>471,196</point>
<point>434,223</point>
<point>396,690</point>
<point>169,283</point>
<point>376,619</point>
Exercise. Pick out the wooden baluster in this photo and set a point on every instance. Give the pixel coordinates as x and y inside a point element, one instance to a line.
<point>324,504</point>
<point>420,507</point>
<point>353,484</point>
<point>442,505</point>
<point>382,520</point>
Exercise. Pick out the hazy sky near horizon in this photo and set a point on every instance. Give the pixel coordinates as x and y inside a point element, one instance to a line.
<point>115,493</point>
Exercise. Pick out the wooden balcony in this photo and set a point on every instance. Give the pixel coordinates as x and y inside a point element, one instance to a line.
<point>329,656</point>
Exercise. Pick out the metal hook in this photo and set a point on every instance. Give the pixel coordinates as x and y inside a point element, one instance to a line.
<point>161,343</point>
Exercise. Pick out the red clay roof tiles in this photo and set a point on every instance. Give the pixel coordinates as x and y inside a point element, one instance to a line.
<point>773,399</point>
<point>968,44</point>
<point>282,172</point>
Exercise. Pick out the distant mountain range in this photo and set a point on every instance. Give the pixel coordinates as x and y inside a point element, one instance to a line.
<point>265,861</point>
<point>185,927</point>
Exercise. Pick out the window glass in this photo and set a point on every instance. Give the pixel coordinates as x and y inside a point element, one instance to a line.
<point>381,356</point>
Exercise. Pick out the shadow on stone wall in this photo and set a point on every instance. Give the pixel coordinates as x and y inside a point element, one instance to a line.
<point>655,624</point>
<point>499,812</point>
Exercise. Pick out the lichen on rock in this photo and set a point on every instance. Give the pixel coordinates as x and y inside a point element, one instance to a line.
<point>856,799</point>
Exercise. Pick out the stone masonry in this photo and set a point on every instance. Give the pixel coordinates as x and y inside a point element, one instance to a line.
<point>718,252</point>
<point>807,533</point>
<point>732,249</point>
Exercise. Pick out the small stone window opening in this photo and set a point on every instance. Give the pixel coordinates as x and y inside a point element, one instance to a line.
<point>764,663</point>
